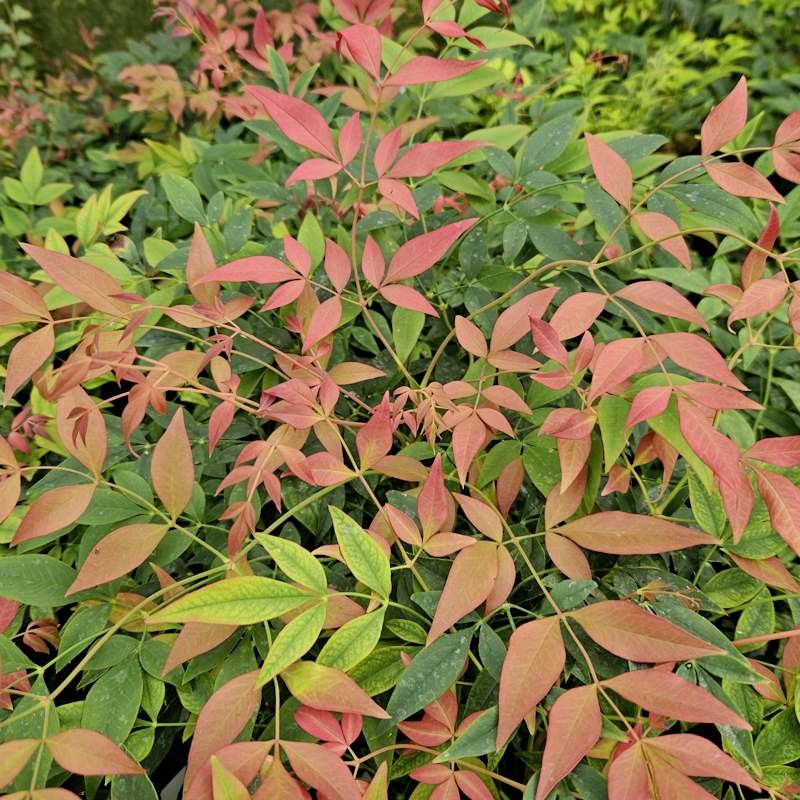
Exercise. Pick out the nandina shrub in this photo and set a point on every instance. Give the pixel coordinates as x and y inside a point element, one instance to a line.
<point>443,482</point>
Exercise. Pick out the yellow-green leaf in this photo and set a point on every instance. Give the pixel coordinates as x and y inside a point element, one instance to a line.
<point>353,642</point>
<point>362,555</point>
<point>295,562</point>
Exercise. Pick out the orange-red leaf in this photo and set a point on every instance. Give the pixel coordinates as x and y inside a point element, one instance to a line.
<point>611,170</point>
<point>726,120</point>
<point>742,180</point>
<point>783,503</point>
<point>534,662</point>
<point>422,252</point>
<point>623,533</point>
<point>573,728</point>
<point>14,755</point>
<point>628,631</point>
<point>427,69</point>
<point>759,297</point>
<point>54,510</point>
<point>468,439</point>
<point>665,231</point>
<point>27,355</point>
<point>469,583</point>
<point>668,695</point>
<point>662,299</point>
<point>470,337</point>
<point>117,554</point>
<point>172,468</point>
<point>87,752</point>
<point>754,262</point>
<point>199,263</point>
<point>322,770</point>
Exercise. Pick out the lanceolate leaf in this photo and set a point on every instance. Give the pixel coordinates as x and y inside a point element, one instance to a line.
<point>172,467</point>
<point>623,533</point>
<point>611,170</point>
<point>86,752</point>
<point>725,120</point>
<point>27,355</point>
<point>425,69</point>
<point>295,562</point>
<point>236,601</point>
<point>573,728</point>
<point>783,501</point>
<point>533,664</point>
<point>628,631</point>
<point>322,770</point>
<point>362,555</point>
<point>293,642</point>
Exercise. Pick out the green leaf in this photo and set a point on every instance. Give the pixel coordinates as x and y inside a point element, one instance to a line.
<point>432,672</point>
<point>547,143</point>
<point>312,238</point>
<point>362,554</point>
<point>183,197</point>
<point>706,507</point>
<point>353,642</point>
<point>31,173</point>
<point>478,739</point>
<point>112,704</point>
<point>295,562</point>
<point>612,414</point>
<point>731,588</point>
<point>35,580</point>
<point>407,325</point>
<point>779,741</point>
<point>237,601</point>
<point>293,642</point>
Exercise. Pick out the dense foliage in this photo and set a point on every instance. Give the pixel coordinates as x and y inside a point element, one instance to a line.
<point>384,418</point>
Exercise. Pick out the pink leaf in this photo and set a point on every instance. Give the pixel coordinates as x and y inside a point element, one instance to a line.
<point>422,159</point>
<point>754,262</point>
<point>785,148</point>
<point>406,297</point>
<point>648,403</point>
<point>374,438</point>
<point>469,437</point>
<point>616,362</point>
<point>315,169</point>
<point>726,120</point>
<point>398,193</point>
<point>577,314</point>
<point>298,121</point>
<point>350,139</point>
<point>259,269</point>
<point>759,297</point>
<point>665,230</point>
<point>514,322</point>
<point>324,322</point>
<point>54,510</point>
<point>470,337</point>
<point>322,770</point>
<point>422,252</point>
<point>426,69</point>
<point>373,264</point>
<point>690,351</point>
<point>573,728</point>
<point>86,752</point>
<point>27,355</point>
<point>783,502</point>
<point>363,45</point>
<point>546,339</point>
<point>742,180</point>
<point>782,451</point>
<point>662,299</point>
<point>337,265</point>
<point>611,170</point>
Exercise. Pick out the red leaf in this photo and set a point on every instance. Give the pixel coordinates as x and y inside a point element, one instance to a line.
<point>577,314</point>
<point>754,262</point>
<point>423,159</point>
<point>726,120</point>
<point>373,264</point>
<point>469,437</point>
<point>406,297</point>
<point>567,556</point>
<point>329,689</point>
<point>573,728</point>
<point>374,438</point>
<point>117,554</point>
<point>350,138</point>
<point>322,770</point>
<point>284,295</point>
<point>422,252</point>
<point>546,339</point>
<point>668,695</point>
<point>426,69</point>
<point>690,351</point>
<point>629,632</point>
<point>386,151</point>
<point>199,263</point>
<point>662,299</point>
<point>742,180</point>
<point>27,355</point>
<point>699,758</point>
<point>222,719</point>
<point>324,322</point>
<point>785,148</point>
<point>768,570</point>
<point>759,297</point>
<point>664,230</point>
<point>611,170</point>
<point>54,510</point>
<point>534,662</point>
<point>315,169</point>
<point>433,501</point>
<point>622,533</point>
<point>298,121</point>
<point>88,283</point>
<point>514,322</point>
<point>648,403</point>
<point>363,45</point>
<point>616,362</point>
<point>468,584</point>
<point>86,752</point>
<point>470,337</point>
<point>398,193</point>
<point>172,467</point>
<point>337,265</point>
<point>482,516</point>
<point>783,502</point>
<point>259,269</point>
<point>782,451</point>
